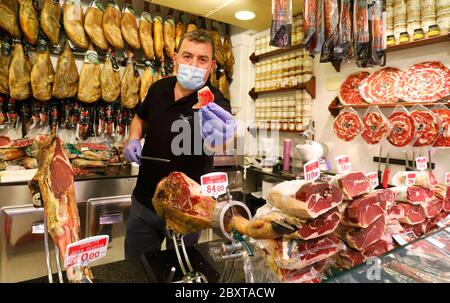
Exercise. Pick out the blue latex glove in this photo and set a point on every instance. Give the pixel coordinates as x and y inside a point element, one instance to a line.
<point>217,124</point>
<point>133,151</point>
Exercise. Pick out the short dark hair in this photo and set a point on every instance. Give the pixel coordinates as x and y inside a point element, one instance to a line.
<point>200,36</point>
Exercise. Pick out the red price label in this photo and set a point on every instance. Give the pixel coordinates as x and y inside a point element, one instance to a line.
<point>421,163</point>
<point>86,251</point>
<point>410,179</point>
<point>373,177</point>
<point>447,178</point>
<point>214,184</point>
<point>343,163</point>
<point>311,170</point>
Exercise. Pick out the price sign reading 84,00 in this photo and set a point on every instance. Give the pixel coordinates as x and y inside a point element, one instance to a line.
<point>214,184</point>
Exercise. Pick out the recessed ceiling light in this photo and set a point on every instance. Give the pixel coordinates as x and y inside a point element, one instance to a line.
<point>245,15</point>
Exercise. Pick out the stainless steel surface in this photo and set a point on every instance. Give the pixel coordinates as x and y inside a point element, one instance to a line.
<point>224,211</point>
<point>155,159</point>
<point>22,250</point>
<point>108,216</point>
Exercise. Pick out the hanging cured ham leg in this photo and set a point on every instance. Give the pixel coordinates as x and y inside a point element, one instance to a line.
<point>54,181</point>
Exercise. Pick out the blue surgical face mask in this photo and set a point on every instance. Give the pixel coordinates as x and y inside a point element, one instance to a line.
<point>191,77</point>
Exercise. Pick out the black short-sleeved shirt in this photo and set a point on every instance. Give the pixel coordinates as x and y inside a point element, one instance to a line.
<point>160,111</point>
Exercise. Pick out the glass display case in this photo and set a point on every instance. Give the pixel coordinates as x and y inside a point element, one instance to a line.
<point>425,260</point>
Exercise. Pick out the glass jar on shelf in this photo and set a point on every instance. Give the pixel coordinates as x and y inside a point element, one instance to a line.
<point>284,125</point>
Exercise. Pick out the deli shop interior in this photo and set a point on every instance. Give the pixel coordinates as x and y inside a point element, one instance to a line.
<point>302,141</point>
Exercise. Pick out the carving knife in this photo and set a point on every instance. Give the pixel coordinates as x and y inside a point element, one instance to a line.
<point>386,173</point>
<point>155,159</point>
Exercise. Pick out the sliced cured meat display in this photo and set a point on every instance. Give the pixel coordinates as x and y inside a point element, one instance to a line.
<point>275,224</point>
<point>73,23</point>
<point>204,96</point>
<point>296,254</point>
<point>304,200</point>
<point>375,127</point>
<point>50,20</point>
<point>310,274</point>
<point>179,201</point>
<point>347,125</point>
<point>93,24</point>
<point>444,138</point>
<point>424,82</point>
<point>8,154</point>
<point>380,87</point>
<point>427,129</point>
<point>414,214</point>
<point>349,258</point>
<point>353,184</point>
<point>362,238</point>
<point>403,128</point>
<point>66,76</point>
<point>363,211</point>
<point>28,21</point>
<point>111,25</point>
<point>349,91</point>
<point>20,143</point>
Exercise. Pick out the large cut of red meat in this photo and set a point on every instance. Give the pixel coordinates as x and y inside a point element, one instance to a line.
<point>296,254</point>
<point>350,258</point>
<point>20,143</point>
<point>361,238</point>
<point>178,200</point>
<point>363,211</point>
<point>386,197</point>
<point>414,214</point>
<point>305,200</point>
<point>354,184</point>
<point>433,207</point>
<point>320,226</point>
<point>443,192</point>
<point>395,212</point>
<point>419,195</point>
<point>205,96</point>
<point>310,274</point>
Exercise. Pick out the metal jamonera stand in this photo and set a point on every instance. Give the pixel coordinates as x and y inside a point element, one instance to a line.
<point>226,252</point>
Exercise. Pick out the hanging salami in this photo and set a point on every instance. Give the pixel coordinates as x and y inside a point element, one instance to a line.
<point>444,115</point>
<point>424,82</point>
<point>427,126</point>
<point>347,125</point>
<point>310,23</point>
<point>331,21</point>
<point>379,87</point>
<point>403,128</point>
<point>375,126</point>
<point>349,91</point>
<point>361,33</point>
<point>343,49</point>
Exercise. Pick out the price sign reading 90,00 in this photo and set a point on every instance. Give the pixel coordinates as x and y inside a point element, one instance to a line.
<point>214,184</point>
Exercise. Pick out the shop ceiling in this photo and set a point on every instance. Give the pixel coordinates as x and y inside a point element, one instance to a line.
<point>223,10</point>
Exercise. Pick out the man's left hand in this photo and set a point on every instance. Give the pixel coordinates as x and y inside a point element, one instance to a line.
<point>217,124</point>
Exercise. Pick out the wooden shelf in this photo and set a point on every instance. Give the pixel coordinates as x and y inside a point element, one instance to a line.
<point>335,107</point>
<point>255,58</point>
<point>280,130</point>
<point>310,86</point>
<point>412,44</point>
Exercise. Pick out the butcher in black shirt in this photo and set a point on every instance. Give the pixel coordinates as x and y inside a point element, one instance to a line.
<point>173,130</point>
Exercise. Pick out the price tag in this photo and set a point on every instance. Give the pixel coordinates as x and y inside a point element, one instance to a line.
<point>373,177</point>
<point>421,163</point>
<point>447,178</point>
<point>343,163</point>
<point>214,184</point>
<point>86,251</point>
<point>311,170</point>
<point>404,238</point>
<point>410,178</point>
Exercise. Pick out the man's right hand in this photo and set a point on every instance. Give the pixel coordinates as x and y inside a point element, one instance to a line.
<point>133,151</point>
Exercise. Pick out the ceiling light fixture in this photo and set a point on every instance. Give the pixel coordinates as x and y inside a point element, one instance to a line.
<point>244,15</point>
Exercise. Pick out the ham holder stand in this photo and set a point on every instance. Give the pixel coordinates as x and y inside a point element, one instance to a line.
<point>234,248</point>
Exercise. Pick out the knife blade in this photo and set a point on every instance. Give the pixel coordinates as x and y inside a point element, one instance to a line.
<point>155,159</point>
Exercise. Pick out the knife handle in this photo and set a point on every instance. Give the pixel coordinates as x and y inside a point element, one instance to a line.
<point>386,177</point>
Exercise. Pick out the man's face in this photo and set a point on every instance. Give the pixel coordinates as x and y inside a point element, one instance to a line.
<point>196,54</point>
